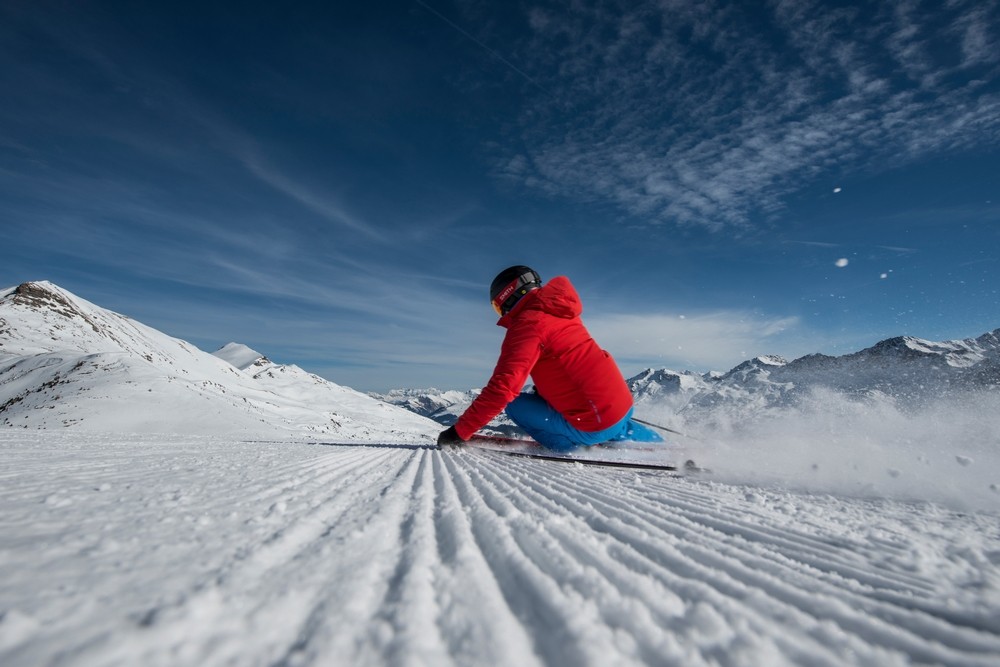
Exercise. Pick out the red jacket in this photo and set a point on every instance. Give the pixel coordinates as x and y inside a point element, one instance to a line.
<point>546,339</point>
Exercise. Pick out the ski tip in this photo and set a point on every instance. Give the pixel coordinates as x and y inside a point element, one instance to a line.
<point>691,467</point>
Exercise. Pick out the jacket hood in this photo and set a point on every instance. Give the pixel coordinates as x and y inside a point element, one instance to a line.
<point>557,297</point>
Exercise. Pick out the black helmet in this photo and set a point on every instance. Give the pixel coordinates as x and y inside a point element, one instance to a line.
<point>510,285</point>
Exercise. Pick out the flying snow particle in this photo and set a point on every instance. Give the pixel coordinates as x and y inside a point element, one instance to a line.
<point>836,190</point>
<point>842,262</point>
<point>883,276</point>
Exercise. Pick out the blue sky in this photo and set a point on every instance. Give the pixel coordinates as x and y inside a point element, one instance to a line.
<point>336,185</point>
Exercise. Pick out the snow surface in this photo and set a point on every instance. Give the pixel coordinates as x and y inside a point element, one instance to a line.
<point>203,551</point>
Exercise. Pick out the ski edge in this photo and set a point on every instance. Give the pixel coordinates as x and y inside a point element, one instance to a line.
<point>588,462</point>
<point>505,445</point>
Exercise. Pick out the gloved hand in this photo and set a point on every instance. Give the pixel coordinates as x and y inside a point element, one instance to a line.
<point>450,437</point>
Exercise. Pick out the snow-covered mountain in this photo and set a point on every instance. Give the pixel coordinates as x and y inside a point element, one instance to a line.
<point>441,406</point>
<point>445,407</point>
<point>904,370</point>
<point>65,362</point>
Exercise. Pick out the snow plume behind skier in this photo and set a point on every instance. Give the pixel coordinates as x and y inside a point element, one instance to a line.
<point>581,396</point>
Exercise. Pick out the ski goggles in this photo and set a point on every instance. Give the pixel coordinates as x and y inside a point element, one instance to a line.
<point>504,294</point>
<point>525,283</point>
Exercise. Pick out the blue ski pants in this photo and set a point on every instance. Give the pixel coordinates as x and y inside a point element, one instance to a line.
<point>550,429</point>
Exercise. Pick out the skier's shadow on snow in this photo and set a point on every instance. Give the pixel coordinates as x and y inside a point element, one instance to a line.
<point>375,445</point>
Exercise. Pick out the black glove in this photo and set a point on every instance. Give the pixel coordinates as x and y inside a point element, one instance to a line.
<point>450,437</point>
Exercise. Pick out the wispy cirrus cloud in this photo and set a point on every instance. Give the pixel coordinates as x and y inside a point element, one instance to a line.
<point>321,203</point>
<point>710,114</point>
<point>151,118</point>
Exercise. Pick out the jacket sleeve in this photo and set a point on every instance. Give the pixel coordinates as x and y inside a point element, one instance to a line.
<point>520,351</point>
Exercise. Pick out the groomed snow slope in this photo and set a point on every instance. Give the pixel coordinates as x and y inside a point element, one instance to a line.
<point>187,551</point>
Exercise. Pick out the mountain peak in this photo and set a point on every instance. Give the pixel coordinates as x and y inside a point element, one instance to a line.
<point>658,375</point>
<point>990,339</point>
<point>957,353</point>
<point>901,344</point>
<point>44,297</point>
<point>37,291</point>
<point>757,365</point>
<point>239,355</point>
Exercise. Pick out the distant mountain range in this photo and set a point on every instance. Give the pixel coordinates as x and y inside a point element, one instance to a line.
<point>908,371</point>
<point>65,362</point>
<point>445,407</point>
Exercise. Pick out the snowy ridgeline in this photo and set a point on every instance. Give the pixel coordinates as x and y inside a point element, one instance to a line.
<point>65,362</point>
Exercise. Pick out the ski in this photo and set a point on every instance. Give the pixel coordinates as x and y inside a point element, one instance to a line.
<point>538,456</point>
<point>600,455</point>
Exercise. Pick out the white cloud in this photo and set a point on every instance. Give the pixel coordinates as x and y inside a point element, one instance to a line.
<point>705,341</point>
<point>321,203</point>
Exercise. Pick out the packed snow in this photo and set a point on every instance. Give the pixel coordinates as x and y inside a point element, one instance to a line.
<point>164,506</point>
<point>201,551</point>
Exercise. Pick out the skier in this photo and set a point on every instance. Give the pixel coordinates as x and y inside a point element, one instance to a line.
<point>580,397</point>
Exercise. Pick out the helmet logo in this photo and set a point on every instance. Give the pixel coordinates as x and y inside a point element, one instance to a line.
<point>507,291</point>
